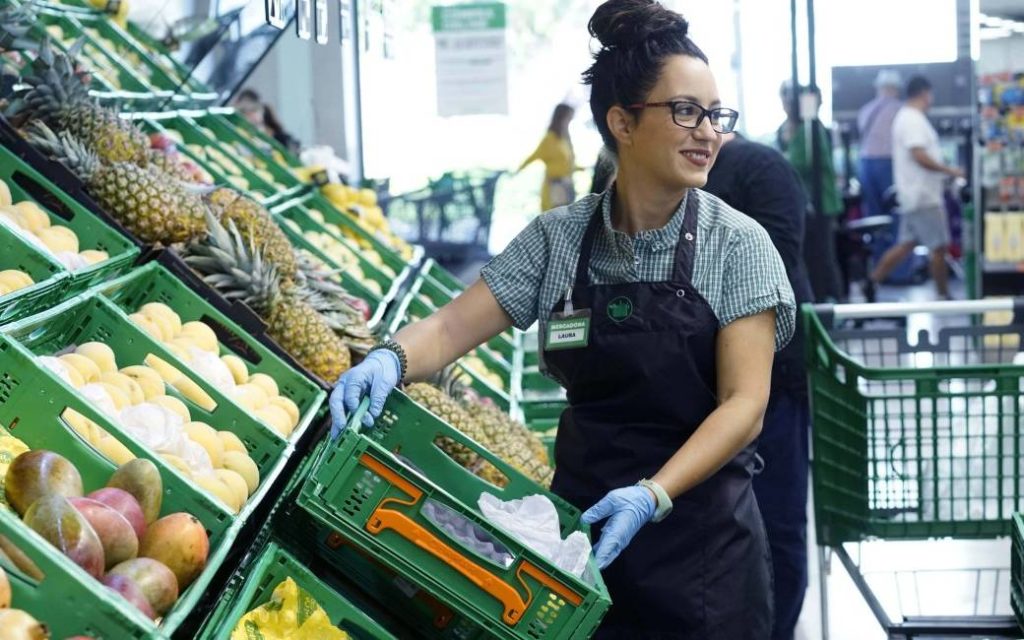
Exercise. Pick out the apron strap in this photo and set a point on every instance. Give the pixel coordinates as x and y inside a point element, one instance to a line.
<point>685,247</point>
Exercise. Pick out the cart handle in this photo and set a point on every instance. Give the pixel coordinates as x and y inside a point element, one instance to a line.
<point>900,309</point>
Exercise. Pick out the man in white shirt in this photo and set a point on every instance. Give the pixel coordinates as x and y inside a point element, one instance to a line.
<point>919,174</point>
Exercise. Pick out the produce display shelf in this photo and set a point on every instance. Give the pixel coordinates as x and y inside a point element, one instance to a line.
<point>277,150</point>
<point>254,586</point>
<point>154,283</point>
<point>92,317</point>
<point>158,53</point>
<point>49,277</point>
<point>26,183</point>
<point>32,402</point>
<point>382,491</point>
<point>297,221</point>
<point>413,308</point>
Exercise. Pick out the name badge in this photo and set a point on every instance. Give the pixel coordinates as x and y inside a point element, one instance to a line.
<point>568,330</point>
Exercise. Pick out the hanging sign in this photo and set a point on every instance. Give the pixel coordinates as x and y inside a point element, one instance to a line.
<point>472,59</point>
<point>320,15</point>
<point>344,20</point>
<point>304,19</point>
<point>275,13</point>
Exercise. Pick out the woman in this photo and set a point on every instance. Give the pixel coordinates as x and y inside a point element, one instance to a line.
<point>262,116</point>
<point>555,151</point>
<point>682,301</point>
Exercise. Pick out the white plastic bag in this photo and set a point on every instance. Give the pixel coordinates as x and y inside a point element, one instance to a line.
<point>534,521</point>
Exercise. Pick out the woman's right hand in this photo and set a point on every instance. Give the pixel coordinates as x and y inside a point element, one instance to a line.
<point>375,376</point>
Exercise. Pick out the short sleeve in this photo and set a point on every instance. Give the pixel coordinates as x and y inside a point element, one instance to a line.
<point>916,132</point>
<point>754,280</point>
<point>514,276</point>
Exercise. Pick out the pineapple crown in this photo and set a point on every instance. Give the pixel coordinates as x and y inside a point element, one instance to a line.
<point>319,288</point>
<point>64,148</point>
<point>53,88</point>
<point>15,25</point>
<point>234,267</point>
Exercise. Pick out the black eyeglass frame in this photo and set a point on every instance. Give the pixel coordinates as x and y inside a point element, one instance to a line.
<point>704,113</point>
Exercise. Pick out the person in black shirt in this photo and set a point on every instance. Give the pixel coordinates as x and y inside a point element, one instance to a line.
<point>758,181</point>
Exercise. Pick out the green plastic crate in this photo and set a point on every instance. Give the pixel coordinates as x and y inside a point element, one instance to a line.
<point>537,386</point>
<point>258,188</point>
<point>372,489</point>
<point>32,400</point>
<point>914,441</point>
<point>162,58</point>
<point>277,150</point>
<point>92,317</point>
<point>50,277</point>
<point>295,219</point>
<point>85,607</point>
<point>28,184</point>
<point>154,283</point>
<point>224,130</point>
<point>412,307</point>
<point>270,569</point>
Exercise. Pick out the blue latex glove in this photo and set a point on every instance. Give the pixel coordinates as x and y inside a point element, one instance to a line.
<point>627,510</point>
<point>377,376</point>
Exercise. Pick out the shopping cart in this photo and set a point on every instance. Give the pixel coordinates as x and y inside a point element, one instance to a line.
<point>918,440</point>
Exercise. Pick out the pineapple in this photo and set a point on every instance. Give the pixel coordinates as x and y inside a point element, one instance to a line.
<point>170,165</point>
<point>511,441</point>
<point>255,221</point>
<point>149,204</point>
<point>16,23</point>
<point>58,97</point>
<point>239,271</point>
<point>316,285</point>
<point>438,400</point>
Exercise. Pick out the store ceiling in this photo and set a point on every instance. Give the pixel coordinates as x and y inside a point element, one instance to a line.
<point>1003,8</point>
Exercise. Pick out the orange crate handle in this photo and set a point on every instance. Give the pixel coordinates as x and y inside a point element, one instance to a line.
<point>514,605</point>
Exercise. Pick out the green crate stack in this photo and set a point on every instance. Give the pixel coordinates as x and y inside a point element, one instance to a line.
<point>388,273</point>
<point>32,401</point>
<point>179,73</point>
<point>26,183</point>
<point>85,608</point>
<point>221,164</point>
<point>277,151</point>
<point>92,317</point>
<point>50,278</point>
<point>154,283</point>
<point>375,500</point>
<point>254,587</point>
<point>216,123</point>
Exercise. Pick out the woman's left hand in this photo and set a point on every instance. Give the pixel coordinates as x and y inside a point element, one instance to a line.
<point>627,510</point>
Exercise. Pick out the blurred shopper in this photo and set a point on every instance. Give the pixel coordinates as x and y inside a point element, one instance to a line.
<point>920,174</point>
<point>555,151</point>
<point>874,124</point>
<point>794,139</point>
<point>263,117</point>
<point>757,180</point>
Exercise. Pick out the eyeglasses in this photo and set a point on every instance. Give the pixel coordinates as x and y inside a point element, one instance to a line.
<point>690,115</point>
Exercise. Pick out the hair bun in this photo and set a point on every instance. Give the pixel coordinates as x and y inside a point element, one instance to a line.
<point>624,23</point>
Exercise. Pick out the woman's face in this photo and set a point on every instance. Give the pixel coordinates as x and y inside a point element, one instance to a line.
<point>677,157</point>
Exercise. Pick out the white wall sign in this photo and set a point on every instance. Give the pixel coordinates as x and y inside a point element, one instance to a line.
<point>472,59</point>
<point>274,13</point>
<point>320,13</point>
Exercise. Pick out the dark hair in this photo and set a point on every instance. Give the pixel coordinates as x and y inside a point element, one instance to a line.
<point>636,37</point>
<point>917,86</point>
<point>248,94</point>
<point>560,119</point>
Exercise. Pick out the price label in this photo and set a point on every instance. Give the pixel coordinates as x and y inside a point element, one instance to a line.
<point>304,19</point>
<point>320,13</point>
<point>113,6</point>
<point>274,12</point>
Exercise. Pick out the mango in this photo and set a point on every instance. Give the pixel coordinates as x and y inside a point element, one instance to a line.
<point>115,532</point>
<point>180,542</point>
<point>206,436</point>
<point>56,520</point>
<point>130,591</point>
<point>10,552</point>
<point>15,624</point>
<point>99,353</point>
<point>5,590</point>
<point>39,472</point>
<point>243,465</point>
<point>124,503</point>
<point>154,579</point>
<point>141,478</point>
<point>232,442</point>
<point>267,383</point>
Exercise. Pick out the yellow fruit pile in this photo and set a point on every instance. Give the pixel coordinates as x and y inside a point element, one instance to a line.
<point>135,397</point>
<point>196,344</point>
<point>477,365</point>
<point>362,205</point>
<point>33,224</point>
<point>12,279</point>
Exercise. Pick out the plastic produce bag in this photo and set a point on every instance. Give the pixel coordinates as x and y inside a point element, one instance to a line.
<point>467,533</point>
<point>291,614</point>
<point>534,521</point>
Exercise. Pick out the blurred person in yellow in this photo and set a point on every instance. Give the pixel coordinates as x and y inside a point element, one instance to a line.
<point>555,151</point>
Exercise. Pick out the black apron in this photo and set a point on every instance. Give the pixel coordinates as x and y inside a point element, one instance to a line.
<point>642,386</point>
